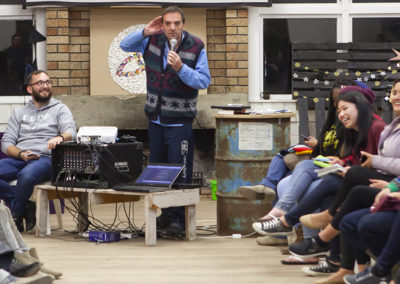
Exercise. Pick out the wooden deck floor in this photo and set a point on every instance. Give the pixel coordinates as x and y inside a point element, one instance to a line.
<point>207,260</point>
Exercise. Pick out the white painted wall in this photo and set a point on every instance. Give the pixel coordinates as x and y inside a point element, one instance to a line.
<point>7,104</point>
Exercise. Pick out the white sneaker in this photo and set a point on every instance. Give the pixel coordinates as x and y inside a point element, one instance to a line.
<point>257,192</point>
<point>272,227</point>
<point>323,268</point>
<point>271,241</point>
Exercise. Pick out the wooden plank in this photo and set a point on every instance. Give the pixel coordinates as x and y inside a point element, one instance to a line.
<point>53,194</point>
<point>150,212</point>
<point>57,208</point>
<point>313,93</point>
<point>190,215</point>
<point>298,85</point>
<point>324,65</point>
<point>320,94</point>
<point>326,45</point>
<point>387,111</point>
<point>319,116</point>
<point>42,214</point>
<point>258,116</point>
<point>348,55</point>
<point>177,198</point>
<point>303,118</point>
<point>104,198</point>
<point>349,74</point>
<point>351,45</point>
<point>83,222</point>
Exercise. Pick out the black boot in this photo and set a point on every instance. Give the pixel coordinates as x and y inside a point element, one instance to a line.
<point>176,229</point>
<point>19,223</point>
<point>30,216</point>
<point>19,269</point>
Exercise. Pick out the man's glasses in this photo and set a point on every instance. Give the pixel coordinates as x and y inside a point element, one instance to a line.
<point>42,83</point>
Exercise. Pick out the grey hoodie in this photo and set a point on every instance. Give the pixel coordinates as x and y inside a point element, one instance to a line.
<point>30,128</point>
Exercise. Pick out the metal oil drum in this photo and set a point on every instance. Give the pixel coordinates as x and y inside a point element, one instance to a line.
<point>245,145</point>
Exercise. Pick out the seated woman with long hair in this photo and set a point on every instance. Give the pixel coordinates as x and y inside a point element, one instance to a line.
<point>328,144</point>
<point>376,171</point>
<point>361,133</point>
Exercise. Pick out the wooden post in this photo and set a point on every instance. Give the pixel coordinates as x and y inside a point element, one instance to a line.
<point>150,218</point>
<point>190,214</point>
<point>42,214</point>
<point>83,222</point>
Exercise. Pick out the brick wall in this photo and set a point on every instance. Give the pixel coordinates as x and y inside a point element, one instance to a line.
<point>216,48</point>
<point>68,37</point>
<point>68,50</point>
<point>227,49</point>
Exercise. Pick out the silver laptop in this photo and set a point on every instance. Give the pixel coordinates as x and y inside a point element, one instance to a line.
<point>155,177</point>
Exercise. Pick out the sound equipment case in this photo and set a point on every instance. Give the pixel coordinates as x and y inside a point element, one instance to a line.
<point>96,166</point>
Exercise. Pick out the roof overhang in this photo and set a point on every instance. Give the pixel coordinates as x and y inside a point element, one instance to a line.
<point>182,3</point>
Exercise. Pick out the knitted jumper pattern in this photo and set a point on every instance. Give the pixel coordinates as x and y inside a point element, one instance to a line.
<point>167,95</point>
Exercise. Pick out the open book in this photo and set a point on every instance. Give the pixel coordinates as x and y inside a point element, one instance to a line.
<point>335,168</point>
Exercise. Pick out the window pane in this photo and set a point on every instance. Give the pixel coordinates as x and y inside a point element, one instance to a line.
<point>15,53</point>
<point>278,36</point>
<point>376,30</point>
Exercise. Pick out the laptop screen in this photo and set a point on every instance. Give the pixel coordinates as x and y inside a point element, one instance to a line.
<point>159,174</point>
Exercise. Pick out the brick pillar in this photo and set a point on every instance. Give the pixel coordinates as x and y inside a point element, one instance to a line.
<point>237,50</point>
<point>216,50</point>
<point>68,50</point>
<point>227,49</point>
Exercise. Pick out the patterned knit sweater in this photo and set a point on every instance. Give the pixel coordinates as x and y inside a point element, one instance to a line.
<point>167,96</point>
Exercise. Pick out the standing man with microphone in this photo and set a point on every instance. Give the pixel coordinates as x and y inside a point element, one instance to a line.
<point>176,68</point>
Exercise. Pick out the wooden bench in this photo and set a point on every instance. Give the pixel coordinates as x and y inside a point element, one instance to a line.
<point>182,197</point>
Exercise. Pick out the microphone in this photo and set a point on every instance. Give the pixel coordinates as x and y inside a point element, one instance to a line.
<point>173,42</point>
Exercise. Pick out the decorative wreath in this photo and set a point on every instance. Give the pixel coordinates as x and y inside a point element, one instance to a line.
<point>127,68</point>
<point>138,59</point>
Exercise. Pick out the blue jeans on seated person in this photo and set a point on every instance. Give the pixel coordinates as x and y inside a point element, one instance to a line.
<point>319,198</point>
<point>379,232</point>
<point>307,232</point>
<point>295,185</point>
<point>350,234</point>
<point>277,170</point>
<point>28,174</point>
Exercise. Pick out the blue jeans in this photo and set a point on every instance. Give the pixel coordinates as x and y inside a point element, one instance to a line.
<point>173,145</point>
<point>276,171</point>
<point>282,190</point>
<point>28,174</point>
<point>379,232</point>
<point>320,198</point>
<point>297,184</point>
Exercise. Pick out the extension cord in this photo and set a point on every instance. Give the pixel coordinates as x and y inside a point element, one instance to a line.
<point>126,235</point>
<point>236,236</point>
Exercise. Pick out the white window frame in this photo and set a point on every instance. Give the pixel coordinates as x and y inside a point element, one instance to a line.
<point>38,15</point>
<point>344,11</point>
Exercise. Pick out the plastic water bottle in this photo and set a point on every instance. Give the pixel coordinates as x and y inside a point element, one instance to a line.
<point>213,185</point>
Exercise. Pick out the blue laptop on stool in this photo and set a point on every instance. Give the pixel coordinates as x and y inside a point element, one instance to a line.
<point>155,177</point>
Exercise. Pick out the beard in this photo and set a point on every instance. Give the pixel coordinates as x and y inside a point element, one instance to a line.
<point>40,99</point>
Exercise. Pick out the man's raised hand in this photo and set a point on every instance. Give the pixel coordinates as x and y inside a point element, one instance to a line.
<point>153,27</point>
